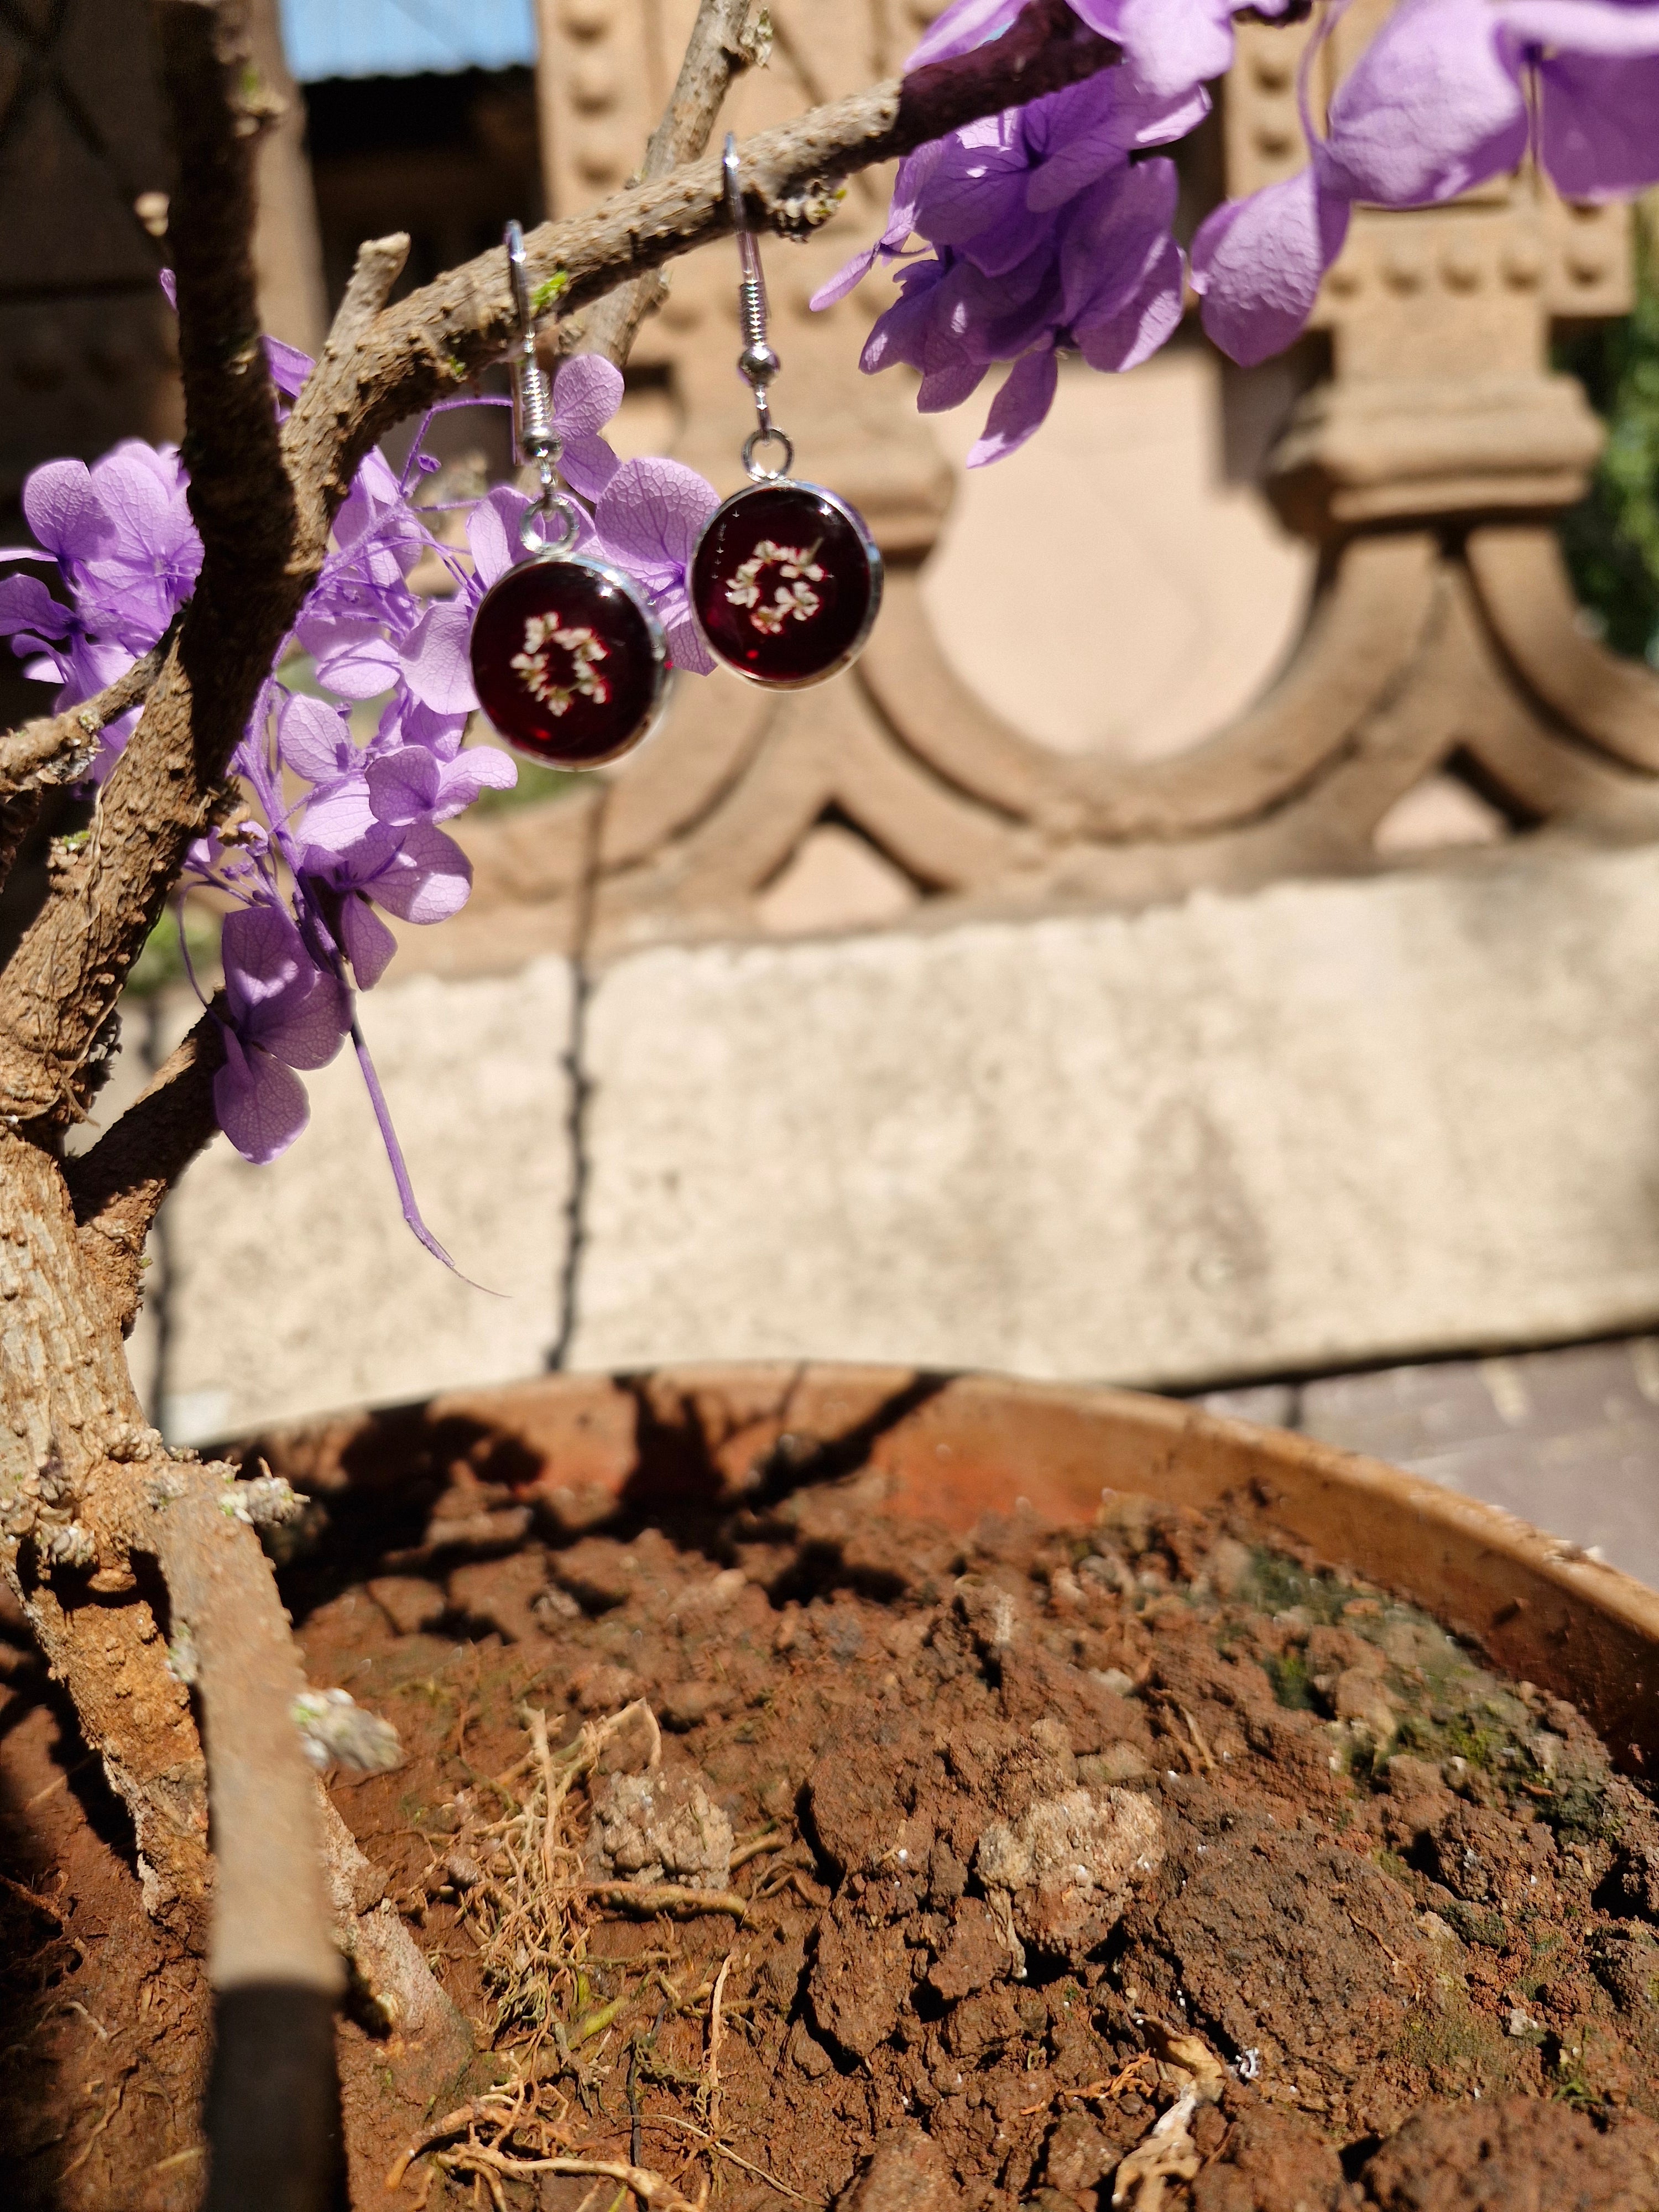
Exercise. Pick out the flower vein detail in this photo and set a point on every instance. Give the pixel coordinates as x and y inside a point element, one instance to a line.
<point>534,664</point>
<point>794,600</point>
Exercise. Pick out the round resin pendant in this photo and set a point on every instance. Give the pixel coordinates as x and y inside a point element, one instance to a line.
<point>785,583</point>
<point>569,661</point>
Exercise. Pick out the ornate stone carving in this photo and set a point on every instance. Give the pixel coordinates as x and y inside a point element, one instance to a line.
<point>1442,629</point>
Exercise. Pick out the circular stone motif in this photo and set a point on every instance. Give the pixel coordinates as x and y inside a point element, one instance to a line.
<point>785,583</point>
<point>568,662</point>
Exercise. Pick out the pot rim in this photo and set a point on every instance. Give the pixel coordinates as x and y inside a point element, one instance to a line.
<point>950,1446</point>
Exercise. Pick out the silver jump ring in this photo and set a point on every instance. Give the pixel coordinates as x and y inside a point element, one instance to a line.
<point>532,524</point>
<point>751,445</point>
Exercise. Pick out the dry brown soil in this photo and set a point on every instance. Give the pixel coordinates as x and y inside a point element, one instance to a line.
<point>1132,1867</point>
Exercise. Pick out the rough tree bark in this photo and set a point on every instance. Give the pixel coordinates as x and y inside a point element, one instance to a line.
<point>86,1489</point>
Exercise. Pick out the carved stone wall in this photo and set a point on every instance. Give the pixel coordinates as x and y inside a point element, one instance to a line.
<point>1441,639</point>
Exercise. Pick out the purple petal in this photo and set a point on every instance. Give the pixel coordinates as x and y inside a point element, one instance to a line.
<point>1432,107</point>
<point>427,880</point>
<point>1584,28</point>
<point>1124,331</point>
<point>480,768</point>
<point>1599,129</point>
<point>1258,264</point>
<point>649,515</point>
<point>1019,409</point>
<point>492,532</point>
<point>1172,44</point>
<point>686,650</point>
<point>846,279</point>
<point>586,392</point>
<point>1117,231</point>
<point>305,1031</point>
<point>260,1104</point>
<point>369,943</point>
<point>352,657</point>
<point>436,662</point>
<point>403,786</point>
<point>63,511</point>
<point>27,605</point>
<point>339,820</point>
<point>262,957</point>
<point>587,465</point>
<point>289,367</point>
<point>314,738</point>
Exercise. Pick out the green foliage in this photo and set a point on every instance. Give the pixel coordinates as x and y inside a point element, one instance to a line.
<point>1610,539</point>
<point>161,961</point>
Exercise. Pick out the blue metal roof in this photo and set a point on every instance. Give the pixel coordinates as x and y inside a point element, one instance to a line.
<point>405,38</point>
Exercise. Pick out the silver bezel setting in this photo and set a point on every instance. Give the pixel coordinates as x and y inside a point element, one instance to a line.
<point>873,553</point>
<point>662,688</point>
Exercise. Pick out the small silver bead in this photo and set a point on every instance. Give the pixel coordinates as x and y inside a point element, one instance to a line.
<point>758,363</point>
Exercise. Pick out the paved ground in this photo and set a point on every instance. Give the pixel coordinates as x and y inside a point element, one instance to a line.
<point>1568,1439</point>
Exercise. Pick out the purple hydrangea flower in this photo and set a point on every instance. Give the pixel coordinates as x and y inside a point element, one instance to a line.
<point>1051,230</point>
<point>1448,94</point>
<point>282,1012</point>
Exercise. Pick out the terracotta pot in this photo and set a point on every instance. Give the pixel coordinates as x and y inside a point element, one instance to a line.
<point>951,1446</point>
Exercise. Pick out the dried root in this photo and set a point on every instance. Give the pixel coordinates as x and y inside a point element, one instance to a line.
<point>522,1867</point>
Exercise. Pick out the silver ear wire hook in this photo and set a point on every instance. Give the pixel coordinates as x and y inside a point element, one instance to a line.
<point>757,364</point>
<point>532,414</point>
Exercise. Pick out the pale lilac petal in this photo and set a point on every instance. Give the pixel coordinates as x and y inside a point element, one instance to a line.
<point>1432,107</point>
<point>314,738</point>
<point>369,945</point>
<point>437,663</point>
<point>586,392</point>
<point>962,27</point>
<point>649,515</point>
<point>1599,128</point>
<point>480,768</point>
<point>847,278</point>
<point>260,1104</point>
<point>403,786</point>
<point>427,880</point>
<point>587,465</point>
<point>340,819</point>
<point>1258,264</point>
<point>351,657</point>
<point>1172,44</point>
<point>492,532</point>
<point>686,650</point>
<point>1020,408</point>
<point>63,511</point>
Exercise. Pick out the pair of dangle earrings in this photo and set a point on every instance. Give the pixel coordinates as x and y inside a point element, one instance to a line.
<point>569,660</point>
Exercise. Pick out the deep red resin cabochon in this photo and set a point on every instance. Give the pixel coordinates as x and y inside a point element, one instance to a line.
<point>782,584</point>
<point>564,663</point>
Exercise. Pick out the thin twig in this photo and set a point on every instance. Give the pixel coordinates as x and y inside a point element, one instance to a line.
<point>722,46</point>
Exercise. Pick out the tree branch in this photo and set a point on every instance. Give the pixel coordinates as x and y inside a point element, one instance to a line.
<point>117,1186</point>
<point>722,46</point>
<point>267,525</point>
<point>61,747</point>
